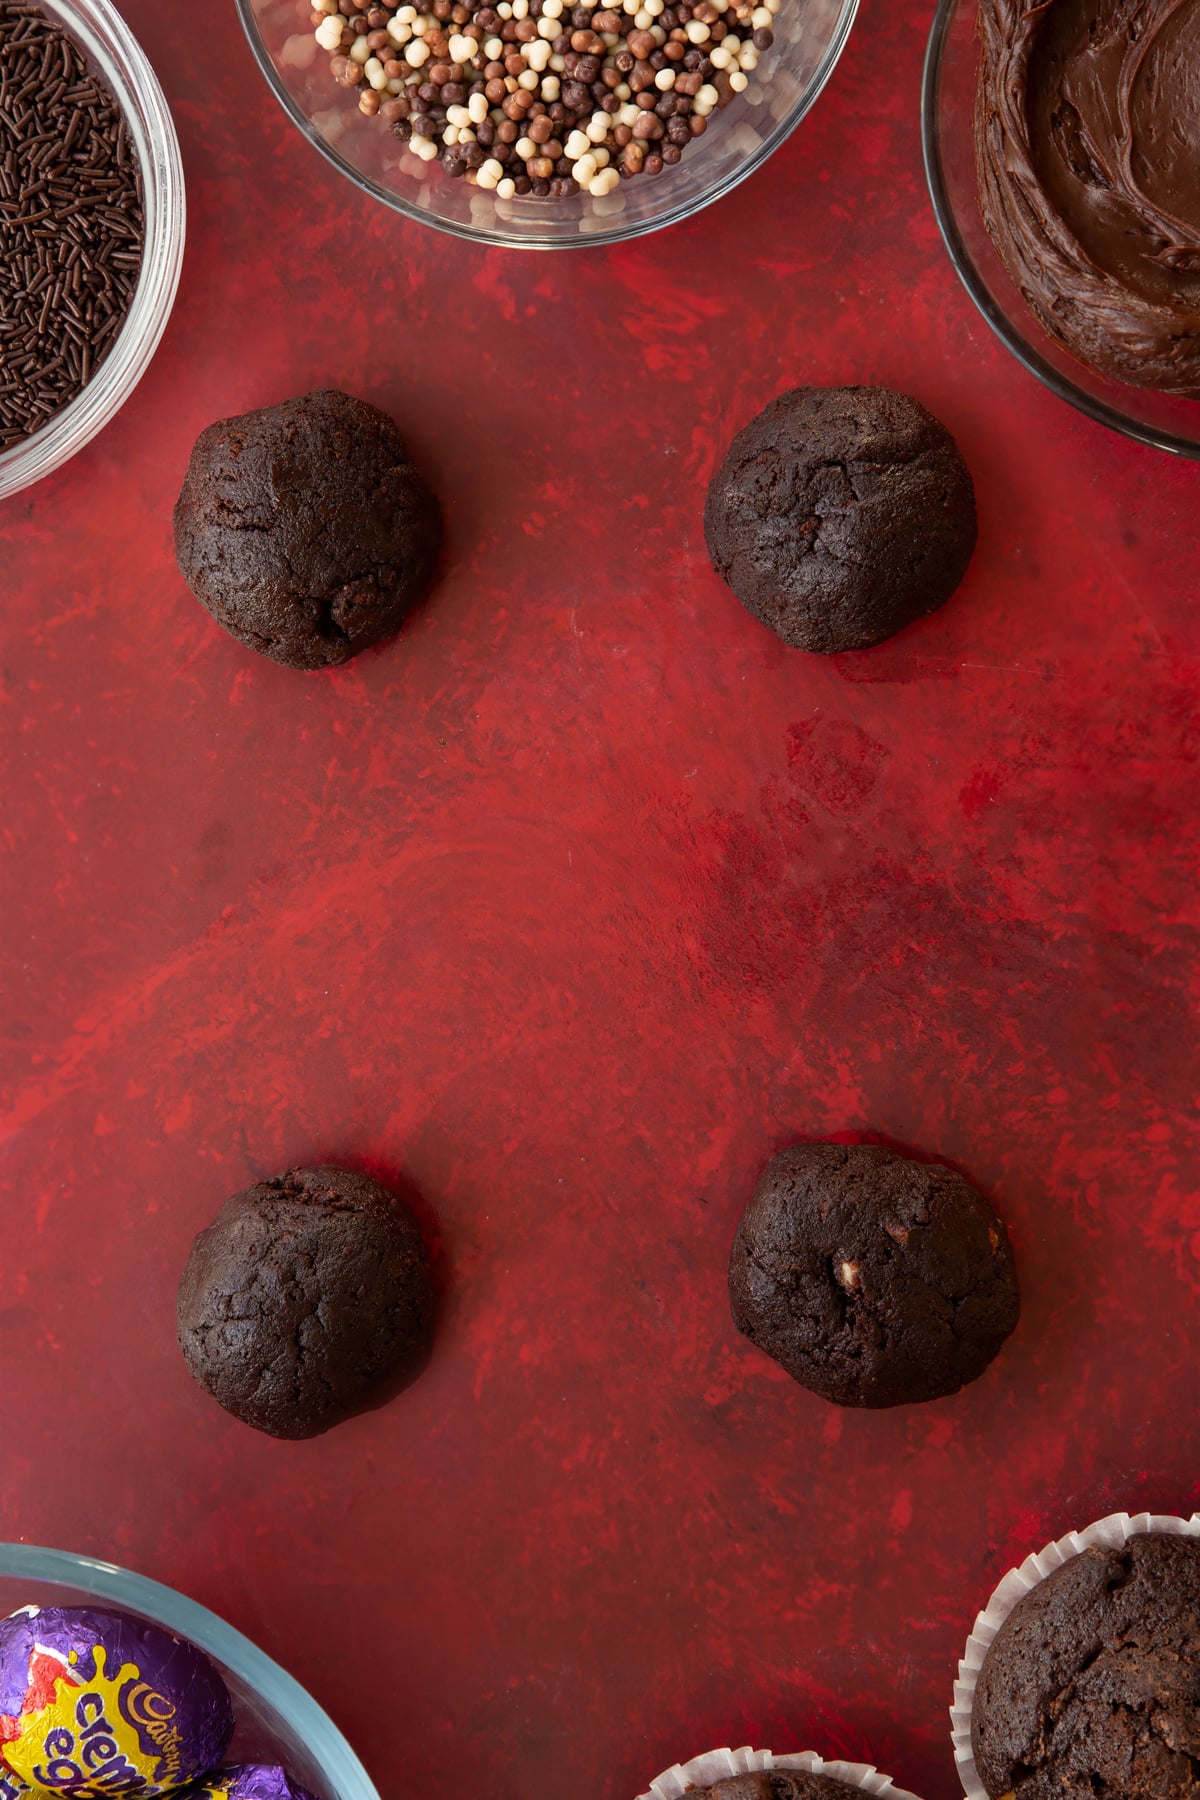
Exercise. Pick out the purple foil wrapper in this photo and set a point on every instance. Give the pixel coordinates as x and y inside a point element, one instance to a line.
<point>249,1781</point>
<point>104,1704</point>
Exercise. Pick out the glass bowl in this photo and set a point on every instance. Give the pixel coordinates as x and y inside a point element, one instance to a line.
<point>277,1721</point>
<point>809,37</point>
<point>947,131</point>
<point>116,54</point>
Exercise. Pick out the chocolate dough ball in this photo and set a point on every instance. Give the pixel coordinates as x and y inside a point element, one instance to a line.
<point>308,1299</point>
<point>305,530</point>
<point>840,515</point>
<point>872,1279</point>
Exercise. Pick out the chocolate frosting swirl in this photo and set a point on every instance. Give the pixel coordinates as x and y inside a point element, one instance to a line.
<point>1087,151</point>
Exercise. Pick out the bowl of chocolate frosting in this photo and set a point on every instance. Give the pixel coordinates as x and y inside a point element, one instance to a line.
<point>1062,149</point>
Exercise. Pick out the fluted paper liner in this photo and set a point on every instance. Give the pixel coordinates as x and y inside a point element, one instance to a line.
<point>718,1765</point>
<point>1108,1534</point>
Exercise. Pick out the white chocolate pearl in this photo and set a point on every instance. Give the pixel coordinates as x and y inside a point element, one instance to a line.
<point>360,50</point>
<point>457,115</point>
<point>584,169</point>
<point>520,9</point>
<point>720,59</point>
<point>697,31</point>
<point>373,70</point>
<point>450,135</point>
<point>425,148</point>
<point>552,9</point>
<point>597,127</point>
<point>528,80</point>
<point>551,88</point>
<point>749,58</point>
<point>739,82</point>
<point>525,148</point>
<point>399,34</point>
<point>537,55</point>
<point>600,156</point>
<point>506,189</point>
<point>558,63</point>
<point>494,49</point>
<point>489,173</point>
<point>415,54</point>
<point>477,109</point>
<point>578,144</point>
<point>708,95</point>
<point>329,32</point>
<point>462,49</point>
<point>664,81</point>
<point>604,183</point>
<point>643,20</point>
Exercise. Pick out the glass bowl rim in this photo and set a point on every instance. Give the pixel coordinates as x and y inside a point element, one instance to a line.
<point>965,267</point>
<point>616,234</point>
<point>107,38</point>
<point>187,1618</point>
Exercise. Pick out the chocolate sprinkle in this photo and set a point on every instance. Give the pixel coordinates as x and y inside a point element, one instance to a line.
<point>72,228</point>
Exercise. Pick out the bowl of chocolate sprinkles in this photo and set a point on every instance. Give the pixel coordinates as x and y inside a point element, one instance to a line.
<point>547,124</point>
<point>91,227</point>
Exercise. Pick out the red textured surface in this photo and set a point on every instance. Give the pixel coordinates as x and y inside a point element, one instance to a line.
<point>573,905</point>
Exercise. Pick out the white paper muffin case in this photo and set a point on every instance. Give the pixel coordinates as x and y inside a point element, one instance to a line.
<point>1108,1534</point>
<point>718,1765</point>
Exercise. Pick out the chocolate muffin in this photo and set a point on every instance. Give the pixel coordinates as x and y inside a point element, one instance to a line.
<point>1091,1688</point>
<point>305,530</point>
<point>840,515</point>
<point>780,1784</point>
<point>308,1299</point>
<point>872,1279</point>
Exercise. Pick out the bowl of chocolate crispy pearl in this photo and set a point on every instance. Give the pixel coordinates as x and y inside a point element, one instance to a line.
<point>542,124</point>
